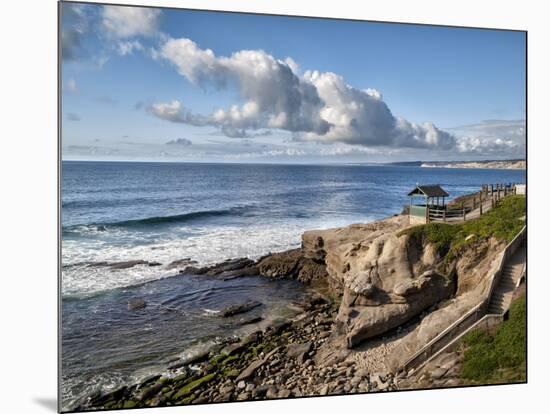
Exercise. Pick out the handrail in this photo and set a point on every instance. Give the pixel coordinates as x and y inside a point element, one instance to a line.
<point>427,351</point>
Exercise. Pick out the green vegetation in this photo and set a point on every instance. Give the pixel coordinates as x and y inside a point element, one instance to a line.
<point>500,357</point>
<point>192,386</point>
<point>503,222</point>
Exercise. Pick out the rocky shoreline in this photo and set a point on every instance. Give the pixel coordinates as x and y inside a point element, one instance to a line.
<point>381,293</point>
<point>291,358</point>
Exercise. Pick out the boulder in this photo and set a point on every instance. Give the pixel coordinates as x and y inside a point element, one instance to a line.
<point>292,264</point>
<point>229,269</point>
<point>299,351</point>
<point>136,303</point>
<point>181,263</point>
<point>249,371</point>
<point>128,264</point>
<point>238,309</point>
<point>385,276</point>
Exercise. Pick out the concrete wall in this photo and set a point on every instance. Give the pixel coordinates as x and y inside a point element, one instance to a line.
<point>521,189</point>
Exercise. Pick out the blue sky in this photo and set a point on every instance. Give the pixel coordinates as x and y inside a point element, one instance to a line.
<point>135,79</point>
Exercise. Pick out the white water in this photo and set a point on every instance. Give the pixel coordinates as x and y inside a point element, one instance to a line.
<point>205,245</point>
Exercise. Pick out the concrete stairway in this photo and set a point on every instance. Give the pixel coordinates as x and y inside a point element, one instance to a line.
<point>493,307</point>
<point>511,273</point>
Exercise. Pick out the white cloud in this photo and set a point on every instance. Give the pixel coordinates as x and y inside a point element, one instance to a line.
<point>272,153</point>
<point>494,137</point>
<point>314,106</point>
<point>70,86</point>
<point>128,47</point>
<point>75,25</point>
<point>126,21</point>
<point>331,151</point>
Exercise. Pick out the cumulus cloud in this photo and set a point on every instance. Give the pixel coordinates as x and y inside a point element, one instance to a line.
<point>314,106</point>
<point>493,137</point>
<point>124,21</point>
<point>487,146</point>
<point>75,25</point>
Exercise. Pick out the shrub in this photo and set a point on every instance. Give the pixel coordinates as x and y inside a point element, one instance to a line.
<point>500,357</point>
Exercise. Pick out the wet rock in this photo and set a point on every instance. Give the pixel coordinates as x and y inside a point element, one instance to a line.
<point>180,263</point>
<point>250,321</point>
<point>238,309</point>
<point>292,264</point>
<point>229,269</point>
<point>136,303</point>
<point>128,264</point>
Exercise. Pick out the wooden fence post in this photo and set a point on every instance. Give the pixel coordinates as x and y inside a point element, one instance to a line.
<point>444,214</point>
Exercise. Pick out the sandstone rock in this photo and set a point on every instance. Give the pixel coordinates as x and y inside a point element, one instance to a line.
<point>386,278</point>
<point>245,396</point>
<point>291,264</point>
<point>283,393</point>
<point>299,351</point>
<point>271,392</point>
<point>249,371</point>
<point>438,373</point>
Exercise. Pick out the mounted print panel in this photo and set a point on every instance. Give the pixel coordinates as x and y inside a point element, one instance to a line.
<point>262,207</point>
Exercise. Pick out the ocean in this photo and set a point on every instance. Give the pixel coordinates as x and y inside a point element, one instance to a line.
<point>161,212</point>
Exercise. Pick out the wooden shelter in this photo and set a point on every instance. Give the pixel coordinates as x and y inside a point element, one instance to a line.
<point>433,197</point>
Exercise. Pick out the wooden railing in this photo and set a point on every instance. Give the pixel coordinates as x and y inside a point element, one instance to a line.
<point>492,192</point>
<point>461,325</point>
<point>448,214</point>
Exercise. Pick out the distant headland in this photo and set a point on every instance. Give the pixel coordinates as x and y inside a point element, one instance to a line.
<point>515,164</point>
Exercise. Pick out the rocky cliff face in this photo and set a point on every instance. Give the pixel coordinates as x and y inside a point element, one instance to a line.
<point>473,272</point>
<point>385,278</point>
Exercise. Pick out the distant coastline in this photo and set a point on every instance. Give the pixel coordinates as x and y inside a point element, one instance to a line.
<point>517,164</point>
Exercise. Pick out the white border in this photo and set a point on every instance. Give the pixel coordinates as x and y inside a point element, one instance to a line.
<point>28,204</point>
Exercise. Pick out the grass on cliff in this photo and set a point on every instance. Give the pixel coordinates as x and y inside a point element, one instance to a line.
<point>500,357</point>
<point>503,222</point>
